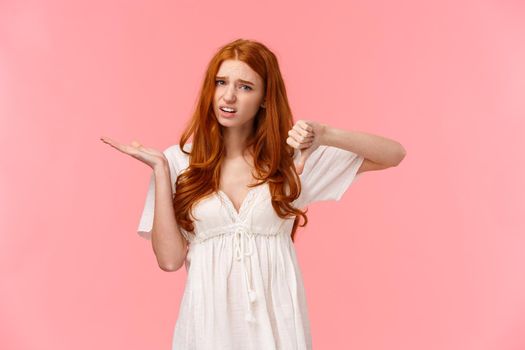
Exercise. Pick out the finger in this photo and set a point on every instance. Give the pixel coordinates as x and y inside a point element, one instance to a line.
<point>121,147</point>
<point>292,142</point>
<point>117,145</point>
<point>295,135</point>
<point>299,130</point>
<point>111,142</point>
<point>303,157</point>
<point>307,143</point>
<point>303,124</point>
<point>299,166</point>
<point>108,140</point>
<point>300,137</point>
<point>136,144</point>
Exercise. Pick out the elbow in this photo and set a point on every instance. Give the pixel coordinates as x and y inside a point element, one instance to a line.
<point>170,260</point>
<point>401,155</point>
<point>171,267</point>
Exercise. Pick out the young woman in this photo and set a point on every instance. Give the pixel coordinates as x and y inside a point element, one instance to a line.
<point>227,205</point>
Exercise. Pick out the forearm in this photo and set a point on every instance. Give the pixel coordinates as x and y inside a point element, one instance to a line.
<point>168,243</point>
<point>373,147</point>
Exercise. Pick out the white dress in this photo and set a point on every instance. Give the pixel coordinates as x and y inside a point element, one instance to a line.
<point>244,289</point>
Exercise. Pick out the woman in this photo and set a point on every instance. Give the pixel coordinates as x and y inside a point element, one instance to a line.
<point>227,205</point>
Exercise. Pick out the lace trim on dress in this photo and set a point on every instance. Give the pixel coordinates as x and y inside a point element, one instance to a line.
<point>231,229</point>
<point>234,215</point>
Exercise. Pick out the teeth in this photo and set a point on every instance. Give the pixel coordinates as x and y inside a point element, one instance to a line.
<point>226,109</point>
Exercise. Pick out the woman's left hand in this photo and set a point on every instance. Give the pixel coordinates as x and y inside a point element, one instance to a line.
<point>305,136</point>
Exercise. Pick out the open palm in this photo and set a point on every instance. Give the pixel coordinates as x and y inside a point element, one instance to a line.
<point>150,156</point>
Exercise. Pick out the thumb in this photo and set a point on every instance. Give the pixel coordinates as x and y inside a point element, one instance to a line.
<point>305,153</point>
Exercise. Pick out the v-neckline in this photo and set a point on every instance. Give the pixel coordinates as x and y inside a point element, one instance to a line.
<point>246,199</point>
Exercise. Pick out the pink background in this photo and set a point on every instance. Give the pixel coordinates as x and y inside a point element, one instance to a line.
<point>427,255</point>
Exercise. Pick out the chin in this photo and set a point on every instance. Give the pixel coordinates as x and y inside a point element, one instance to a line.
<point>228,122</point>
<point>233,122</point>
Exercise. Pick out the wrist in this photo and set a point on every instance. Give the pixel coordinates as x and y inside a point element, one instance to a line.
<point>161,168</point>
<point>324,134</point>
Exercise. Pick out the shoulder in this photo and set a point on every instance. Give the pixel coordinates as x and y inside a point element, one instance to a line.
<point>176,156</point>
<point>318,151</point>
<point>175,151</point>
<point>324,154</point>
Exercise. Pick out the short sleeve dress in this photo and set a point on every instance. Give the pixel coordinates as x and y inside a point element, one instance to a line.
<point>244,289</point>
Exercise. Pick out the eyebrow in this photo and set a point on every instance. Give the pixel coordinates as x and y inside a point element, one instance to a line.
<point>242,81</point>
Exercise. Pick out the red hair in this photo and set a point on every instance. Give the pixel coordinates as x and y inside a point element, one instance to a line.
<point>273,157</point>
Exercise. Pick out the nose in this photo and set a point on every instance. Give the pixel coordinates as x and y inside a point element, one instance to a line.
<point>229,94</point>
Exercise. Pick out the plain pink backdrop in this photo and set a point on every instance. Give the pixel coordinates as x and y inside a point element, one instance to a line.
<point>427,255</point>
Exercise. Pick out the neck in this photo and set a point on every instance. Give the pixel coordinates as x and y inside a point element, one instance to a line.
<point>235,140</point>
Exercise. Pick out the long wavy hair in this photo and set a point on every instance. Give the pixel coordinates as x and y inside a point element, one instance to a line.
<point>273,157</point>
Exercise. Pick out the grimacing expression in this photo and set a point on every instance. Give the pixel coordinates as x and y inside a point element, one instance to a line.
<point>239,87</point>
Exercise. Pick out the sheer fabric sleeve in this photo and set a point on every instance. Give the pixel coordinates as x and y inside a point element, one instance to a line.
<point>146,218</point>
<point>327,174</point>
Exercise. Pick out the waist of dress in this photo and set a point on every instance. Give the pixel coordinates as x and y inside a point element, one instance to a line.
<point>233,229</point>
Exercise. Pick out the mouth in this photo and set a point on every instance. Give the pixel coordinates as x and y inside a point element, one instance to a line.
<point>227,111</point>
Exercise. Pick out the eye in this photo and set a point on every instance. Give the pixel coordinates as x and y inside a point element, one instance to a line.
<point>249,88</point>
<point>216,81</point>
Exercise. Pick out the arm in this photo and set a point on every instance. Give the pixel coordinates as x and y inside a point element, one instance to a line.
<point>379,152</point>
<point>168,243</point>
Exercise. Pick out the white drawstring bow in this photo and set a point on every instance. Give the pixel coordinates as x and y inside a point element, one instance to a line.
<point>241,250</point>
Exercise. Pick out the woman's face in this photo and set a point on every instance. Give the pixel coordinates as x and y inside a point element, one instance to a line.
<point>239,87</point>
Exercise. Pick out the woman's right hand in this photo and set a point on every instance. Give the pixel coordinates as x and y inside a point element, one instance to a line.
<point>150,156</point>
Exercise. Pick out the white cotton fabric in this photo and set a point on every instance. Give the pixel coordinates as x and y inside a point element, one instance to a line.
<point>244,289</point>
